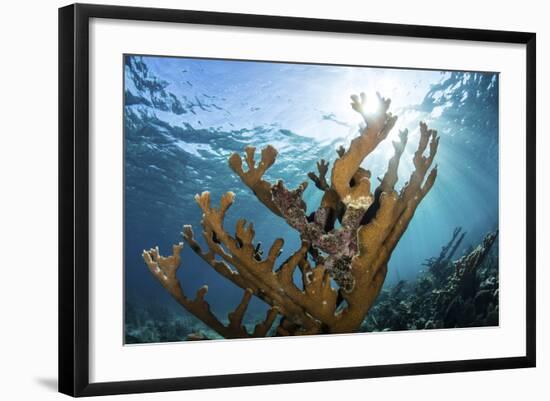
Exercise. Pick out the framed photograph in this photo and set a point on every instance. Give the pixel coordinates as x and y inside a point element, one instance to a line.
<point>250,199</point>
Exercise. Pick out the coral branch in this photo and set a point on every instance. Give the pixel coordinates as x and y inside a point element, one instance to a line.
<point>390,178</point>
<point>253,177</point>
<point>321,180</point>
<point>378,126</point>
<point>164,270</point>
<point>258,275</point>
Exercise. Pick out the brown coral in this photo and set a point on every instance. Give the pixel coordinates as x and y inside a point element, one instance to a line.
<point>354,254</point>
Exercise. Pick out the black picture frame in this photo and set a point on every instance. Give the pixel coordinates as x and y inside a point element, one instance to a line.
<point>74,198</point>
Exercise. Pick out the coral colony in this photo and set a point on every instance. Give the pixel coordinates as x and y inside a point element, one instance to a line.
<point>346,243</point>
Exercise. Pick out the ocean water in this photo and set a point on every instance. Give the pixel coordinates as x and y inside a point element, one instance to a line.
<point>184,117</point>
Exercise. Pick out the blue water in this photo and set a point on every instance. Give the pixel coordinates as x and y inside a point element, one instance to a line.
<point>184,117</point>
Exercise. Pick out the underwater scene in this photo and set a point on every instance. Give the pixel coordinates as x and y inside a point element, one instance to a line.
<point>270,199</point>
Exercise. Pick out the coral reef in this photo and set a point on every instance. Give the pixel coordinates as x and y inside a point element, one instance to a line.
<point>346,242</point>
<point>460,293</point>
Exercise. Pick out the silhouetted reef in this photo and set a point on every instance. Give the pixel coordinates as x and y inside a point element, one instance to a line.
<point>446,294</point>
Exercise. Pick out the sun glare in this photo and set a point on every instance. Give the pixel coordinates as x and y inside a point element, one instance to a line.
<point>372,105</point>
